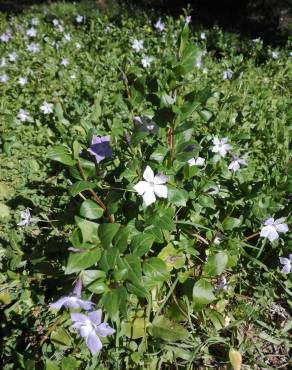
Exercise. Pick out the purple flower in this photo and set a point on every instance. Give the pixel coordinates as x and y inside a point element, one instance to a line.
<point>74,300</point>
<point>91,328</point>
<point>100,147</point>
<point>287,264</point>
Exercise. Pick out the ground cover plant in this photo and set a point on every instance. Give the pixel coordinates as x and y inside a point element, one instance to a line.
<point>144,194</point>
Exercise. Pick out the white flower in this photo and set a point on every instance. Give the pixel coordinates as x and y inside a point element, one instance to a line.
<point>73,76</point>
<point>78,46</point>
<point>25,218</point>
<point>137,45</point>
<point>159,25</point>
<point>55,22</point>
<point>67,37</point>
<point>287,264</point>
<point>5,37</point>
<point>236,163</point>
<point>199,161</point>
<point>203,36</point>
<point>227,75</point>
<point>4,78</point>
<point>205,70</point>
<point>31,32</point>
<point>12,57</point>
<point>221,146</point>
<point>23,115</point>
<point>146,61</point>
<point>198,61</point>
<point>188,19</point>
<point>79,18</point>
<point>34,21</point>
<point>64,62</point>
<point>275,55</point>
<point>152,187</point>
<point>22,81</point>
<point>60,28</point>
<point>46,108</point>
<point>33,47</point>
<point>272,227</point>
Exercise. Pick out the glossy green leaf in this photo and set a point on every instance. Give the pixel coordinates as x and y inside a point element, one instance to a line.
<point>90,209</point>
<point>203,292</point>
<point>61,153</point>
<point>80,186</point>
<point>82,260</point>
<point>216,264</point>
<point>155,271</point>
<point>168,330</point>
<point>106,233</point>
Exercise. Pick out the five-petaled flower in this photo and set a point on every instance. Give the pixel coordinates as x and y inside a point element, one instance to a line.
<point>91,328</point>
<point>221,146</point>
<point>23,115</point>
<point>159,25</point>
<point>146,61</point>
<point>152,187</point>
<point>22,81</point>
<point>100,147</point>
<point>25,218</point>
<point>137,45</point>
<point>79,18</point>
<point>46,107</point>
<point>74,300</point>
<point>227,75</point>
<point>236,163</point>
<point>287,264</point>
<point>272,227</point>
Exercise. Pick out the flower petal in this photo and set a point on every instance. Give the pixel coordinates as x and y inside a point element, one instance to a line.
<point>104,330</point>
<point>286,269</point>
<point>141,187</point>
<point>284,260</point>
<point>273,235</point>
<point>160,191</point>
<point>148,174</point>
<point>95,316</point>
<point>86,305</point>
<point>281,228</point>
<point>78,287</point>
<point>280,220</point>
<point>60,302</point>
<point>216,141</point>
<point>93,343</point>
<point>269,221</point>
<point>79,317</point>
<point>160,179</point>
<point>149,196</point>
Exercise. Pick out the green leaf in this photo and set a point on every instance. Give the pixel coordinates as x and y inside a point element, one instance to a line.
<point>159,154</point>
<point>88,167</point>
<point>172,257</point>
<point>206,115</point>
<point>60,337</point>
<point>61,153</point>
<point>168,330</point>
<point>136,328</point>
<point>80,186</point>
<point>109,259</point>
<point>121,238</point>
<point>82,260</point>
<point>106,233</point>
<point>69,363</point>
<point>90,276</point>
<point>141,244</point>
<point>133,266</point>
<point>231,223</point>
<point>203,292</point>
<point>155,272</point>
<point>96,109</point>
<point>216,264</point>
<point>51,365</point>
<point>91,209</point>
<point>113,301</point>
<point>88,230</point>
<point>177,196</point>
<point>184,39</point>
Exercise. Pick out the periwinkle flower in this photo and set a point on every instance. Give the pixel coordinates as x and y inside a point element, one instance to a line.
<point>227,75</point>
<point>287,264</point>
<point>188,19</point>
<point>236,163</point>
<point>46,108</point>
<point>4,78</point>
<point>159,25</point>
<point>100,147</point>
<point>22,81</point>
<point>146,61</point>
<point>23,115</point>
<point>91,329</point>
<point>73,300</point>
<point>31,32</point>
<point>221,146</point>
<point>272,228</point>
<point>153,186</point>
<point>25,218</point>
<point>137,45</point>
<point>79,18</point>
<point>33,47</point>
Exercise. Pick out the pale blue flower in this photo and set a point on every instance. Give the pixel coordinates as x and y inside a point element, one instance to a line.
<point>91,328</point>
<point>73,300</point>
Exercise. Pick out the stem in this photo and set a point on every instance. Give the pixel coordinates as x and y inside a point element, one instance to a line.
<point>171,289</point>
<point>95,196</point>
<point>251,236</point>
